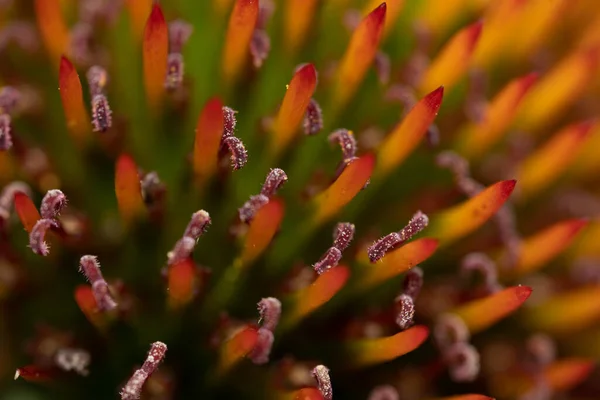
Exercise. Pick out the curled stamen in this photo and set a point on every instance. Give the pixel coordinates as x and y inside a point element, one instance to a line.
<point>377,250</point>
<point>482,263</point>
<point>313,118</point>
<point>330,259</point>
<point>53,203</point>
<point>21,33</point>
<point>5,136</point>
<point>275,180</point>
<point>321,375</point>
<point>239,156</point>
<point>406,311</point>
<point>229,122</point>
<point>90,267</point>
<point>262,349</point>
<point>101,113</point>
<point>463,361</point>
<point>251,207</point>
<point>133,388</point>
<point>38,234</point>
<point>450,329</point>
<point>76,360</point>
<point>179,33</point>
<point>181,251</point>
<point>198,225</point>
<point>270,310</point>
<point>413,282</point>
<point>384,392</point>
<point>260,46</point>
<point>343,235</point>
<point>152,188</point>
<point>97,78</point>
<point>175,71</point>
<point>9,99</point>
<point>542,349</point>
<point>347,142</point>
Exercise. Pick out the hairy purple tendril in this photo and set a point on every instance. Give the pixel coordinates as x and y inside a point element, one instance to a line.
<point>52,204</point>
<point>378,250</point>
<point>133,389</point>
<point>485,266</point>
<point>38,234</point>
<point>269,310</point>
<point>321,375</point>
<point>90,267</point>
<point>313,118</point>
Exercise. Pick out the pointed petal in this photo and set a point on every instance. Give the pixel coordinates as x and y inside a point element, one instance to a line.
<point>181,283</point>
<point>476,139</point>
<point>299,14</point>
<point>139,10</point>
<point>367,352</point>
<point>566,374</point>
<point>71,95</point>
<point>34,373</point>
<point>84,297</point>
<point>237,40</point>
<point>209,132</point>
<point>480,314</point>
<point>395,262</point>
<point>354,177</point>
<point>394,7</point>
<point>53,28</point>
<point>547,163</point>
<point>155,54</point>
<point>458,221</point>
<point>408,133</point>
<point>293,108</point>
<point>307,300</point>
<point>236,348</point>
<point>359,55</point>
<point>453,60</point>
<point>539,249</point>
<point>27,211</point>
<point>128,189</point>
<point>586,245</point>
<point>262,229</point>
<point>567,312</point>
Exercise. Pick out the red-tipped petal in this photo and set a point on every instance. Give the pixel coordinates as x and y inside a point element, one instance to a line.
<point>453,60</point>
<point>155,52</point>
<point>236,348</point>
<point>128,188</point>
<point>367,352</point>
<point>52,26</point>
<point>566,374</point>
<point>460,220</point>
<point>342,191</point>
<point>541,248</point>
<point>408,133</point>
<point>139,10</point>
<point>396,262</point>
<point>33,373</point>
<point>307,300</point>
<point>71,95</point>
<point>209,131</point>
<point>262,229</point>
<point>482,313</point>
<point>293,108</point>
<point>547,163</point>
<point>182,282</point>
<point>26,210</point>
<point>394,7</point>
<point>359,55</point>
<point>237,40</point>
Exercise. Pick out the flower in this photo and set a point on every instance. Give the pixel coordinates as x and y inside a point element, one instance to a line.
<point>244,171</point>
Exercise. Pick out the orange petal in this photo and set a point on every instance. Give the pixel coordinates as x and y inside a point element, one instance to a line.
<point>408,133</point>
<point>393,11</point>
<point>359,55</point>
<point>182,283</point>
<point>567,312</point>
<point>236,348</point>
<point>155,52</point>
<point>395,262</point>
<point>347,185</point>
<point>587,163</point>
<point>27,211</point>
<point>477,138</point>
<point>139,10</point>
<point>209,131</point>
<point>309,393</point>
<point>33,373</point>
<point>550,98</point>
<point>367,352</point>
<point>262,229</point>
<point>53,28</point>
<point>536,251</point>
<point>128,188</point>
<point>547,163</point>
<point>468,397</point>
<point>84,297</point>
<point>71,95</point>
<point>308,299</point>
<point>453,60</point>
<point>564,375</point>
<point>237,41</point>
<point>296,99</point>
<point>298,16</point>
<point>586,244</point>
<point>482,313</point>
<point>460,220</point>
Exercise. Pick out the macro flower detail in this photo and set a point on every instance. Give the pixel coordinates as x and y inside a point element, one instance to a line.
<point>476,121</point>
